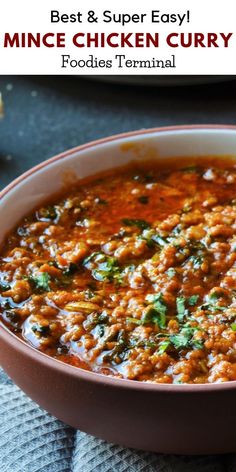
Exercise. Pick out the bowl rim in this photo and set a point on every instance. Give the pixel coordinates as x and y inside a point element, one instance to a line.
<point>76,372</point>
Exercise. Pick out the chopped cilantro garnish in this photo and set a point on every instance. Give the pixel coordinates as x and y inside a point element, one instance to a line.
<point>147,237</point>
<point>119,349</point>
<point>150,243</point>
<point>90,258</point>
<point>159,240</point>
<point>193,300</point>
<point>180,305</point>
<point>42,330</point>
<point>155,316</point>
<point>197,343</point>
<point>157,313</point>
<point>163,346</point>
<point>211,307</point>
<point>142,224</point>
<point>106,268</point>
<point>171,272</point>
<point>41,281</point>
<point>196,261</point>
<point>216,295</point>
<point>95,319</point>
<point>12,317</point>
<point>101,330</point>
<point>89,294</point>
<point>181,302</point>
<point>184,338</point>
<point>4,286</point>
<point>152,238</point>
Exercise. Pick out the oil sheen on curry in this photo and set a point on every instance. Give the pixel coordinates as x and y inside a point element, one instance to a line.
<point>131,273</point>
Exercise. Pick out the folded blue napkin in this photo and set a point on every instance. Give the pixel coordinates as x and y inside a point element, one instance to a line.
<point>31,440</point>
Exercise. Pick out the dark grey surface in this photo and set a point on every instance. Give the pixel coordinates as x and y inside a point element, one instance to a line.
<point>46,115</point>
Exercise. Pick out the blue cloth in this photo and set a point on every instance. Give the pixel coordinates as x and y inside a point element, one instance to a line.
<point>31,440</point>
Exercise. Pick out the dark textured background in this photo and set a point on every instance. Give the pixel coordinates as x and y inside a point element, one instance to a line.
<point>46,115</point>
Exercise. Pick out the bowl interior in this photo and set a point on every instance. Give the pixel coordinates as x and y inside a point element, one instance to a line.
<point>43,181</point>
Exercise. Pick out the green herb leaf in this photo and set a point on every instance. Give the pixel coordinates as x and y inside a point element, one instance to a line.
<point>184,338</point>
<point>154,316</point>
<point>159,240</point>
<point>42,330</point>
<point>196,261</point>
<point>89,294</point>
<point>101,330</point>
<point>216,295</point>
<point>147,237</point>
<point>120,348</point>
<point>106,267</point>
<point>90,258</point>
<point>181,340</point>
<point>142,224</point>
<point>233,326</point>
<point>181,302</point>
<point>163,346</point>
<point>41,281</point>
<point>193,300</point>
<point>197,343</point>
<point>212,308</point>
<point>95,319</point>
<point>157,313</point>
<point>12,317</point>
<point>4,286</point>
<point>180,305</point>
<point>108,270</point>
<point>171,272</point>
<point>211,304</point>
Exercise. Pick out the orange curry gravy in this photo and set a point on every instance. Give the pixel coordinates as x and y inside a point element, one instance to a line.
<point>131,274</point>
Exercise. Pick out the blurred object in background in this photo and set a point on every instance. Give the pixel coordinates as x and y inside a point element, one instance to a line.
<point>162,81</point>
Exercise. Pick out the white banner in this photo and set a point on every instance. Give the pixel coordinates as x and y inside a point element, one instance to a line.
<point>162,37</point>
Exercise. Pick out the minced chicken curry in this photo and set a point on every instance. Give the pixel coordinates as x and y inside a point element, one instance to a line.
<point>131,273</point>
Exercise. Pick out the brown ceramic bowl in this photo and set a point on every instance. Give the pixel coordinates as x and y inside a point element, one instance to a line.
<point>184,419</point>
